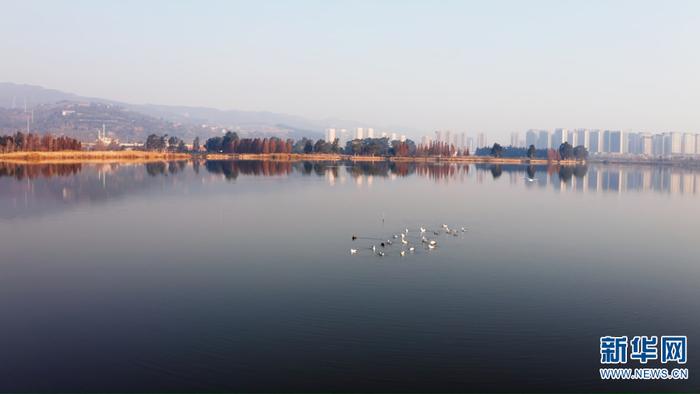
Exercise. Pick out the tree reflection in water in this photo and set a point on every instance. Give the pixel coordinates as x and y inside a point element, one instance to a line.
<point>603,177</point>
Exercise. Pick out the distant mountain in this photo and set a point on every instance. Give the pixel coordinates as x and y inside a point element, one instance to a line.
<point>15,96</point>
<point>82,120</point>
<point>182,121</point>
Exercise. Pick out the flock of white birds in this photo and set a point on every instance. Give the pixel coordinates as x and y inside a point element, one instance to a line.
<point>405,244</point>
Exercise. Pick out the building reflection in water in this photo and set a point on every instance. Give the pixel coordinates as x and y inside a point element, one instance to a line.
<point>603,178</point>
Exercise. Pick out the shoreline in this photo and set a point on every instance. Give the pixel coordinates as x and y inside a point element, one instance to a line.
<point>74,157</point>
<point>136,157</point>
<point>402,159</point>
<point>71,157</point>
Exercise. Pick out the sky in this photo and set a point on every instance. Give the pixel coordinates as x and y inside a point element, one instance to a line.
<point>466,66</point>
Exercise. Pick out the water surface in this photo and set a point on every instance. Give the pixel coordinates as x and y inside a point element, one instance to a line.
<point>237,275</point>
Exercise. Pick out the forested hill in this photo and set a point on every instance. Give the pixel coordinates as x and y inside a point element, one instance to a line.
<point>83,120</point>
<point>135,121</point>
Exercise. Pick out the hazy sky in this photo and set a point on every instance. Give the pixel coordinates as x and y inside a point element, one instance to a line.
<point>494,66</point>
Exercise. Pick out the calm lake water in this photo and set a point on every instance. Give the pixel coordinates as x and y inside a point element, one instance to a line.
<point>238,275</point>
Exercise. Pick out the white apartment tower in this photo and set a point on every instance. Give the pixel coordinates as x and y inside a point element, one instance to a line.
<point>481,141</point>
<point>689,144</point>
<point>543,140</point>
<point>515,139</point>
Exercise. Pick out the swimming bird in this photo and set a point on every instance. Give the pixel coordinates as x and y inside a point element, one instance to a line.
<point>406,230</point>
<point>374,248</point>
<point>403,253</point>
<point>422,229</point>
<point>432,243</point>
<point>431,246</point>
<point>403,241</point>
<point>444,226</point>
<point>411,249</point>
<point>382,244</point>
<point>388,242</point>
<point>380,253</point>
<point>424,240</point>
<point>354,237</point>
<point>395,236</point>
<point>464,230</point>
<point>353,251</point>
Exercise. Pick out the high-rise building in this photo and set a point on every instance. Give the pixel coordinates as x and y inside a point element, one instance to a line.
<point>634,143</point>
<point>614,141</point>
<point>645,144</point>
<point>697,145</point>
<point>447,137</point>
<point>470,145</point>
<point>657,145</point>
<point>359,133</point>
<point>583,138</point>
<point>330,135</point>
<point>370,132</point>
<point>688,144</point>
<point>394,137</point>
<point>343,136</point>
<point>559,137</point>
<point>543,140</point>
<point>531,138</point>
<point>438,135</point>
<point>463,140</point>
<point>481,141</point>
<point>595,144</point>
<point>515,139</point>
<point>606,142</point>
<point>673,143</point>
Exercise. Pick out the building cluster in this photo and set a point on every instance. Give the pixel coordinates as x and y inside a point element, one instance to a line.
<point>345,135</point>
<point>458,140</point>
<point>616,142</point>
<point>597,142</point>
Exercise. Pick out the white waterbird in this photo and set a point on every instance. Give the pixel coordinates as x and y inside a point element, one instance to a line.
<point>353,251</point>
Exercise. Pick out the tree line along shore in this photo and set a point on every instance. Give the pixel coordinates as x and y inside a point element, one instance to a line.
<point>33,147</point>
<point>137,155</point>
